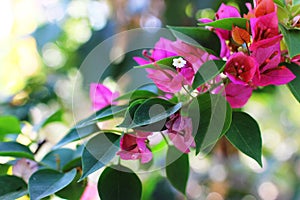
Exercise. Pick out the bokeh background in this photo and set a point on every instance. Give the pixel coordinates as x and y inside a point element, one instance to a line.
<point>43,44</point>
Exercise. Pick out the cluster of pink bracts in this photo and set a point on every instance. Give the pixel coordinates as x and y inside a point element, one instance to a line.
<point>253,57</point>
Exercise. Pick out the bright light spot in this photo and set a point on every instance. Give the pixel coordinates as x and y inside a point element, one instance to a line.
<point>214,196</point>
<point>194,190</point>
<point>217,173</point>
<point>150,23</point>
<point>98,13</point>
<point>271,138</point>
<point>52,56</point>
<point>252,164</point>
<point>77,9</point>
<point>53,10</point>
<point>6,18</point>
<point>199,165</point>
<point>25,13</point>
<point>116,54</point>
<point>78,30</point>
<point>285,150</point>
<point>268,191</point>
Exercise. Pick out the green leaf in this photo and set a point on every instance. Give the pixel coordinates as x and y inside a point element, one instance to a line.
<point>137,94</point>
<point>98,152</point>
<point>102,115</point>
<point>165,63</point>
<point>4,168</point>
<point>119,183</point>
<point>292,40</point>
<point>283,14</point>
<point>76,134</point>
<point>54,117</point>
<point>207,71</point>
<point>74,190</point>
<point>46,182</point>
<point>199,37</point>
<point>227,23</point>
<point>12,187</point>
<point>128,118</point>
<point>294,85</point>
<point>280,3</point>
<point>58,158</point>
<point>15,149</point>
<point>177,168</point>
<point>9,125</point>
<point>244,134</point>
<point>75,161</point>
<point>214,120</point>
<point>152,111</point>
<point>295,2</point>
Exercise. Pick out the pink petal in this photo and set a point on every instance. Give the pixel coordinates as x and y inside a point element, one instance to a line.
<point>163,49</point>
<point>277,76</point>
<point>24,168</point>
<point>179,143</point>
<point>237,95</point>
<point>101,96</point>
<point>141,61</point>
<point>90,192</point>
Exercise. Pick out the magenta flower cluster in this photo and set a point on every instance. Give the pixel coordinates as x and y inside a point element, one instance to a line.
<point>253,56</point>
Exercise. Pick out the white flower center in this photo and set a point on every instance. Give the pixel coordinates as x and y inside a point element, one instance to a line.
<point>179,62</point>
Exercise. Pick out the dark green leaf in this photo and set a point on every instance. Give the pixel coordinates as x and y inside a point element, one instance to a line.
<point>12,187</point>
<point>15,149</point>
<point>119,183</point>
<point>152,111</point>
<point>165,63</point>
<point>9,124</point>
<point>77,133</point>
<point>128,118</point>
<point>177,168</point>
<point>292,40</point>
<point>137,94</point>
<point>227,23</point>
<point>207,71</point>
<point>98,152</point>
<point>73,190</point>
<point>294,85</point>
<point>45,182</point>
<point>4,168</point>
<point>244,134</point>
<point>198,37</point>
<point>76,160</point>
<point>58,158</point>
<point>214,119</point>
<point>102,115</point>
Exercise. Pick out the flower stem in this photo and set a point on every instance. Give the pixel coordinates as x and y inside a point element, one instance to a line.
<point>188,92</point>
<point>166,140</point>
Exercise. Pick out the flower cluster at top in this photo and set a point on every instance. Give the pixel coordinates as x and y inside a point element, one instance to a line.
<point>253,56</point>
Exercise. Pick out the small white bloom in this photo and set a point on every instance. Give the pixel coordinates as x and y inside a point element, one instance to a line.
<point>179,62</point>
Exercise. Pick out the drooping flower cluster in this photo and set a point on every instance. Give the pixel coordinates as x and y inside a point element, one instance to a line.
<point>252,53</point>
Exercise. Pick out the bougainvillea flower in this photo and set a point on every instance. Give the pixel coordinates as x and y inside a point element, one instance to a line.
<point>101,96</point>
<point>180,132</point>
<point>24,168</point>
<point>277,76</point>
<point>226,11</point>
<point>265,30</point>
<point>296,59</point>
<point>240,68</point>
<point>134,147</point>
<point>237,95</point>
<point>194,55</point>
<point>270,73</point>
<point>168,80</point>
<point>264,7</point>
